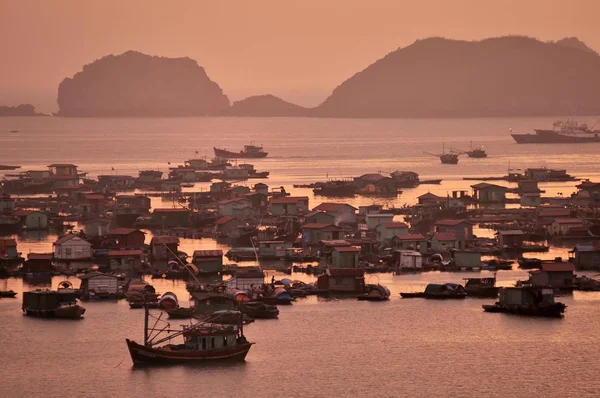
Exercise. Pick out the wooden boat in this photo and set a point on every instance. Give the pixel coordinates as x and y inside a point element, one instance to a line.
<point>375,293</point>
<point>52,304</point>
<point>529,301</point>
<point>181,313</point>
<point>439,291</point>
<point>249,151</point>
<point>280,296</point>
<point>446,158</point>
<point>8,293</point>
<point>259,310</point>
<point>528,263</point>
<point>481,287</point>
<point>203,342</point>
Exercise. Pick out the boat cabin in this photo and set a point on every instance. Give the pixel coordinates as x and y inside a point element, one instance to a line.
<point>96,285</point>
<point>526,296</point>
<point>209,336</point>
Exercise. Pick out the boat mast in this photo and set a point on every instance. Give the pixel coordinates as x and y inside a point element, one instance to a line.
<point>145,323</point>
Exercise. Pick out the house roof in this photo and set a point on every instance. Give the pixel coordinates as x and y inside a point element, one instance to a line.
<point>94,274</point>
<point>123,231</point>
<point>207,253</point>
<point>159,240</point>
<point>410,237</point>
<point>558,267</point>
<point>8,243</point>
<point>224,220</point>
<point>395,224</point>
<point>61,165</point>
<point>227,201</point>
<point>315,212</point>
<point>332,207</point>
<point>430,195</point>
<point>512,232</point>
<point>487,185</point>
<point>171,210</point>
<point>568,220</point>
<point>22,212</point>
<point>321,226</point>
<point>444,236</point>
<point>347,249</point>
<point>68,237</point>
<point>450,223</point>
<point>289,200</point>
<point>341,272</point>
<point>372,177</point>
<point>124,253</point>
<point>555,213</point>
<point>62,178</point>
<point>40,256</point>
<point>335,242</point>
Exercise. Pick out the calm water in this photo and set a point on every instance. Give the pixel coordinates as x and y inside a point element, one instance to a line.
<point>317,347</point>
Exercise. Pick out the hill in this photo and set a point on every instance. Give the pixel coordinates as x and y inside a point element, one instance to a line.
<point>136,84</point>
<point>265,105</point>
<point>506,76</point>
<point>19,110</point>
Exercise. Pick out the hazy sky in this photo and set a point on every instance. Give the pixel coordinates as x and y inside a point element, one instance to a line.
<point>297,49</point>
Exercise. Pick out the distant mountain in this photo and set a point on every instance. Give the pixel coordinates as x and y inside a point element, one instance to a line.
<point>574,42</point>
<point>136,84</point>
<point>506,76</point>
<point>19,110</point>
<point>265,105</point>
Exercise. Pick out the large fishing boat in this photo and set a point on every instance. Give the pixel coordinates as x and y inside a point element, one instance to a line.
<point>249,151</point>
<point>52,304</point>
<point>206,341</point>
<point>563,132</point>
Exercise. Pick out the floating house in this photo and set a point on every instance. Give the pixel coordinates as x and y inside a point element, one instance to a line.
<point>408,261</point>
<point>96,227</point>
<point>558,275</point>
<point>345,257</point>
<point>164,247</point>
<point>226,224</point>
<point>125,260</point>
<point>32,219</point>
<point>510,239</point>
<point>342,212</point>
<point>489,193</point>
<point>319,217</point>
<point>562,226</point>
<point>443,241</point>
<point>8,249</point>
<point>209,264</point>
<point>128,237</point>
<point>410,242</point>
<point>171,217</point>
<point>289,205</point>
<point>462,230</point>
<point>246,279</point>
<point>586,257</point>
<point>96,285</point>
<point>313,233</point>
<point>373,220</point>
<point>38,263</point>
<point>385,232</point>
<point>342,280</point>
<point>72,247</point>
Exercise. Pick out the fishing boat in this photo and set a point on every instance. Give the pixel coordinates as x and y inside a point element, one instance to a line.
<point>481,287</point>
<point>280,296</point>
<point>446,158</point>
<point>477,152</point>
<point>52,304</point>
<point>259,310</point>
<point>203,342</point>
<point>250,152</point>
<point>529,263</point>
<point>527,300</point>
<point>375,293</point>
<point>8,293</point>
<point>563,132</point>
<point>8,167</point>
<point>439,291</point>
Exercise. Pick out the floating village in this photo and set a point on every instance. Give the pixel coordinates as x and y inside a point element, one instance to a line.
<point>103,252</point>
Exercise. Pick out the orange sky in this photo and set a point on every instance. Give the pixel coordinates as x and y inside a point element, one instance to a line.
<point>299,50</point>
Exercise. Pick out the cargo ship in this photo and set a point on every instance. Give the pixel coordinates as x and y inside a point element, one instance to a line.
<point>250,152</point>
<point>563,132</point>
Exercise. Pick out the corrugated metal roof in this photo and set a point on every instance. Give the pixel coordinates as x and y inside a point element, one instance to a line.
<point>347,249</point>
<point>159,240</point>
<point>207,253</point>
<point>223,220</point>
<point>40,256</point>
<point>444,236</point>
<point>513,232</point>
<point>8,243</point>
<point>450,223</point>
<point>341,272</point>
<point>171,210</point>
<point>67,238</point>
<point>289,200</point>
<point>395,225</point>
<point>333,207</point>
<point>558,267</point>
<point>123,253</point>
<point>410,237</point>
<point>123,231</point>
<point>568,220</point>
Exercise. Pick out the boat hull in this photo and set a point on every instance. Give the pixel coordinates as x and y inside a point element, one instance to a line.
<point>71,312</point>
<point>555,310</point>
<point>142,355</point>
<point>222,153</point>
<point>553,137</point>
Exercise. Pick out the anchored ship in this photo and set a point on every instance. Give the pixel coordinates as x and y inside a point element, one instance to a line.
<point>563,132</point>
<point>250,151</point>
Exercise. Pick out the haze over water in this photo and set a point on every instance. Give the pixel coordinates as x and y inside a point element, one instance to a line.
<point>317,347</point>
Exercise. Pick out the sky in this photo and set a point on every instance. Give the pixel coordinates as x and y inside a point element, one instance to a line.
<point>299,50</point>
